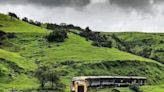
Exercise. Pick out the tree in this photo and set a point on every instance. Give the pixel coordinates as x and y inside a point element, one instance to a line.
<point>58,35</point>
<point>25,19</point>
<point>41,75</point>
<point>146,51</point>
<point>13,15</point>
<point>53,78</point>
<point>45,75</point>
<point>87,29</point>
<point>37,23</point>
<point>97,38</point>
<point>53,26</point>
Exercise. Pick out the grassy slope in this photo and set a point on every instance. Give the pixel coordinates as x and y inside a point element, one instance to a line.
<point>12,62</point>
<point>14,25</point>
<point>20,82</point>
<point>159,88</point>
<point>155,42</point>
<point>33,47</point>
<point>77,49</point>
<point>17,59</point>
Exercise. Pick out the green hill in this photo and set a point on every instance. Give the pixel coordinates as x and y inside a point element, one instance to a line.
<point>74,57</point>
<point>9,24</point>
<point>150,45</point>
<point>13,70</point>
<point>17,59</point>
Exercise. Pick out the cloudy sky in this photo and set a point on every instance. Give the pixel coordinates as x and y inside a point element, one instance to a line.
<point>99,15</point>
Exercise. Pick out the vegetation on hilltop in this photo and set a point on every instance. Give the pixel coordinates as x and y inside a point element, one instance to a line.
<point>98,39</point>
<point>13,15</point>
<point>149,45</point>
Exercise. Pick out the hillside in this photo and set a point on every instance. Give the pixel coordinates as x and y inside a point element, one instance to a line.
<point>13,25</point>
<point>76,56</point>
<point>150,45</point>
<point>13,71</point>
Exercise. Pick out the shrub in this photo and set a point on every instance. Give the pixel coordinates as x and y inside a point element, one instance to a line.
<point>47,75</point>
<point>36,23</point>
<point>2,33</point>
<point>135,87</point>
<point>58,35</point>
<point>97,38</point>
<point>115,90</point>
<point>2,36</point>
<point>95,43</point>
<point>25,19</point>
<point>11,35</point>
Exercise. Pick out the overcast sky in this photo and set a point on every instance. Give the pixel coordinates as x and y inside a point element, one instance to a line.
<point>99,15</point>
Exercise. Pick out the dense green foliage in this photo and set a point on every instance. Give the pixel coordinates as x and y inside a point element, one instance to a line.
<point>98,40</point>
<point>36,23</point>
<point>58,35</point>
<point>52,26</point>
<point>30,62</point>
<point>135,88</point>
<point>49,79</point>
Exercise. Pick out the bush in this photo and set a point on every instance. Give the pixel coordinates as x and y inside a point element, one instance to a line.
<point>11,35</point>
<point>95,43</point>
<point>52,26</point>
<point>25,19</point>
<point>36,23</point>
<point>135,87</point>
<point>49,78</point>
<point>115,90</point>
<point>2,36</point>
<point>58,35</point>
<point>97,38</point>
<point>2,33</point>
